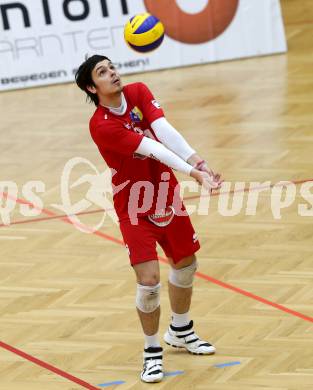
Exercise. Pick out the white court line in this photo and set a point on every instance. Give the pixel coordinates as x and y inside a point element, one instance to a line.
<point>19,230</point>
<point>12,238</point>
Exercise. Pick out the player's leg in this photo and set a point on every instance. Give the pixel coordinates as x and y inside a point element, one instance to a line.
<point>180,244</point>
<point>140,241</point>
<point>180,333</point>
<point>148,298</point>
<point>148,308</point>
<point>180,288</point>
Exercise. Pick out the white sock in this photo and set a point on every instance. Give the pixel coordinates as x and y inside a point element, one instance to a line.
<point>152,341</point>
<point>180,320</point>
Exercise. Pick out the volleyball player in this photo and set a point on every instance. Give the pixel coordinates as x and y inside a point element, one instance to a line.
<point>142,148</point>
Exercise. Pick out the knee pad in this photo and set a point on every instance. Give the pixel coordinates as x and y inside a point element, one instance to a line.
<point>183,277</point>
<point>148,298</point>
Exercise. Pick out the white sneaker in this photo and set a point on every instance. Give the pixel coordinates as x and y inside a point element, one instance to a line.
<point>152,365</point>
<point>185,337</point>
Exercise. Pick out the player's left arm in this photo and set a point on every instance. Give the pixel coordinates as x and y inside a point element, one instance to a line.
<point>174,141</point>
<point>168,135</point>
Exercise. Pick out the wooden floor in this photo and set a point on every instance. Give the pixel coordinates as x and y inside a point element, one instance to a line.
<point>67,298</point>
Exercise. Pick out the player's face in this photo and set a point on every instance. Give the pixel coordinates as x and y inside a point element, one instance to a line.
<point>106,79</point>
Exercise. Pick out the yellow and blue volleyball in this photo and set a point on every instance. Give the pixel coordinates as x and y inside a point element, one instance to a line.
<point>144,32</point>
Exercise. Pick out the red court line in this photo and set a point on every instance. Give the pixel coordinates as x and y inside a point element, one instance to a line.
<point>48,366</point>
<point>239,290</point>
<point>50,218</point>
<point>56,216</point>
<point>253,296</point>
<point>280,184</point>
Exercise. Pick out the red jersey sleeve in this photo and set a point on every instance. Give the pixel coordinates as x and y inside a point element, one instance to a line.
<point>150,107</point>
<point>114,137</point>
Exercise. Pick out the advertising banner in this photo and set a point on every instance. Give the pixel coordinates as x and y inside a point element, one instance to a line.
<point>43,41</point>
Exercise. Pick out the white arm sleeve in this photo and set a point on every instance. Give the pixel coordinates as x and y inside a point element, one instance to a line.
<point>154,149</point>
<point>172,139</point>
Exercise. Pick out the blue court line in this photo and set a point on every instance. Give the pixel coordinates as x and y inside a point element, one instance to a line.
<point>107,384</point>
<point>173,373</point>
<point>111,383</point>
<point>221,365</point>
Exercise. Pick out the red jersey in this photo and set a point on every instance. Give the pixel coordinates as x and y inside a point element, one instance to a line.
<point>117,138</point>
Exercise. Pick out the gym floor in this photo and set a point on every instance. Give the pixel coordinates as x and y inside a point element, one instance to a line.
<point>67,298</point>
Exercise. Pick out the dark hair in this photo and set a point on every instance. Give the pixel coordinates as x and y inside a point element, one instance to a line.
<point>84,79</point>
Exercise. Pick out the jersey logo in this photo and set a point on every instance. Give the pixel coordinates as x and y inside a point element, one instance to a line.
<point>133,127</point>
<point>136,115</point>
<point>128,126</point>
<point>156,104</point>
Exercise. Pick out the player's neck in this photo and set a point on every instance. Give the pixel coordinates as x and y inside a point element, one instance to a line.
<point>119,110</point>
<point>114,100</point>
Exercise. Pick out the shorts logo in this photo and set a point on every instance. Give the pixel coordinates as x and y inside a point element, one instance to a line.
<point>156,104</point>
<point>200,27</point>
<point>127,248</point>
<point>194,238</point>
<point>136,115</point>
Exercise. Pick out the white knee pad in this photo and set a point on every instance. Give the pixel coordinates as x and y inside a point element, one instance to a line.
<point>183,277</point>
<point>148,298</point>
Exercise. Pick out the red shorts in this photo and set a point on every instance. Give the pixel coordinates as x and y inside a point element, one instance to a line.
<point>178,239</point>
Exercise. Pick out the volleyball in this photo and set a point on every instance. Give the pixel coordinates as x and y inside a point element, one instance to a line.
<point>144,32</point>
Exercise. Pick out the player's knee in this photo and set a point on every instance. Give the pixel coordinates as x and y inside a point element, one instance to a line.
<point>150,279</point>
<point>148,297</point>
<point>183,277</point>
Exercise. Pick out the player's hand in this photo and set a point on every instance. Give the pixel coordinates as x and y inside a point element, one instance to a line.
<point>203,167</point>
<point>216,178</point>
<point>210,182</point>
